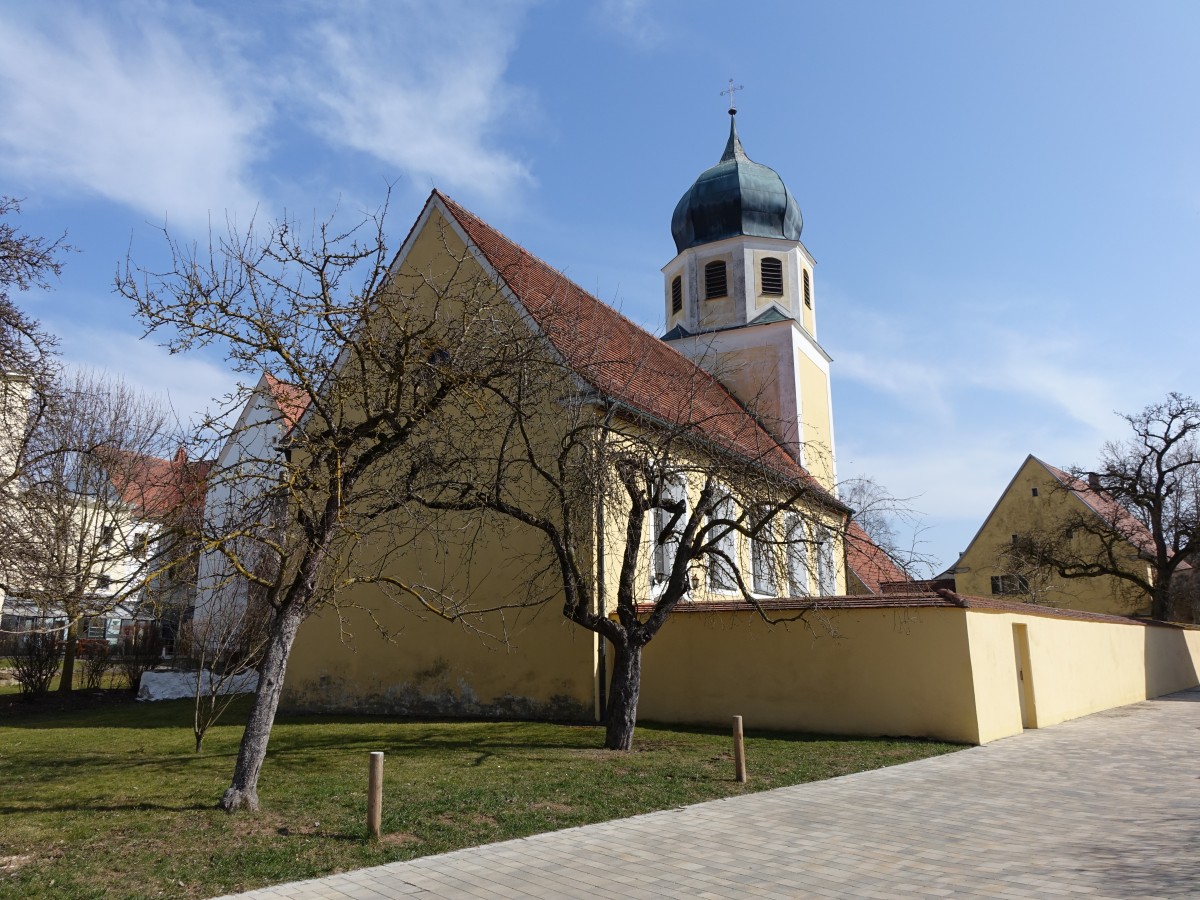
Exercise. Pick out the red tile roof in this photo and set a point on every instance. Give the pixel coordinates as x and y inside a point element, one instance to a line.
<point>291,400</point>
<point>159,488</point>
<point>622,361</point>
<point>1107,508</point>
<point>868,562</point>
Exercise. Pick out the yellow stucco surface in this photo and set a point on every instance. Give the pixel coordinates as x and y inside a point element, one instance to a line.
<point>816,421</point>
<point>1019,512</point>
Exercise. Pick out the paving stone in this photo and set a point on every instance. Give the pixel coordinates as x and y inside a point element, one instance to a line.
<point>1106,806</point>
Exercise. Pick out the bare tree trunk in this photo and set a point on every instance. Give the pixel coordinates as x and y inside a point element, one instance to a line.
<point>67,683</point>
<point>623,695</point>
<point>243,792</point>
<point>1160,602</point>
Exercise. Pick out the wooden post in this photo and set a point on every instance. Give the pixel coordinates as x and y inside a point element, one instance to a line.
<point>375,794</point>
<point>739,751</point>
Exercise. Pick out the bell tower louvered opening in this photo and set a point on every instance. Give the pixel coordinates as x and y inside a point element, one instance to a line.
<point>772,276</point>
<point>715,281</point>
<point>676,294</point>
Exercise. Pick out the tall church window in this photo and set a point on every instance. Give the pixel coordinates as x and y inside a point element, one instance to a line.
<point>772,275</point>
<point>807,289</point>
<point>762,554</point>
<point>797,555</point>
<point>715,282</point>
<point>665,528</point>
<point>723,557</point>
<point>826,572</point>
<point>676,294</point>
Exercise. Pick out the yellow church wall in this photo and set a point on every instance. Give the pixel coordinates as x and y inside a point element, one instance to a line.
<point>1019,512</point>
<point>888,671</point>
<point>528,662</point>
<point>816,421</point>
<point>1073,668</point>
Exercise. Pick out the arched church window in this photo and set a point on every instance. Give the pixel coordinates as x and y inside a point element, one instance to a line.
<point>676,294</point>
<point>772,275</point>
<point>714,280</point>
<point>807,290</point>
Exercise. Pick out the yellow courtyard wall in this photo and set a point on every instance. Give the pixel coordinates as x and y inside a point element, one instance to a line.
<point>888,671</point>
<point>1073,668</point>
<point>1019,512</point>
<point>426,665</point>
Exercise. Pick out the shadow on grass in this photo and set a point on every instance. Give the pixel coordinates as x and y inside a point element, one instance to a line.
<point>141,806</point>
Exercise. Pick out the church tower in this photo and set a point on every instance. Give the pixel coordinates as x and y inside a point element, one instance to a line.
<point>740,302</point>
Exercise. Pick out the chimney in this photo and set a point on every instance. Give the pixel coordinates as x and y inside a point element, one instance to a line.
<point>1094,480</point>
<point>180,455</point>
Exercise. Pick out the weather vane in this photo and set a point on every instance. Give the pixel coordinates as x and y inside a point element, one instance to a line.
<point>730,91</point>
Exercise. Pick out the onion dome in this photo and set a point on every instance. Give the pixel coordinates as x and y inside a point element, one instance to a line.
<point>736,196</point>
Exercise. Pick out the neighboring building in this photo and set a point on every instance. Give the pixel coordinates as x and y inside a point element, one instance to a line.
<point>740,367</point>
<point>241,476</point>
<point>118,552</point>
<point>1039,500</point>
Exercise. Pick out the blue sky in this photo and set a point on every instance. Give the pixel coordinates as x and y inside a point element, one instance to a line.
<point>1003,198</point>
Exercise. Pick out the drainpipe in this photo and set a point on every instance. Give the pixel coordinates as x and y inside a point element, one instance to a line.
<point>600,604</point>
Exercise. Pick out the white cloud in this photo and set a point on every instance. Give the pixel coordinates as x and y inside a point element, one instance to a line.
<point>632,20</point>
<point>421,88</point>
<point>127,107</point>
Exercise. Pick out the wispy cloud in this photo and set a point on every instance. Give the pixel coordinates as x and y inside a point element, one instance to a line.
<point>124,108</point>
<point>422,88</point>
<point>632,20</point>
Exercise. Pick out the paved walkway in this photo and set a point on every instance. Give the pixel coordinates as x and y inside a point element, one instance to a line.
<point>1105,806</point>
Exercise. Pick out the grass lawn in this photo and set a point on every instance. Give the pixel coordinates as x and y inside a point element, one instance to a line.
<point>111,802</point>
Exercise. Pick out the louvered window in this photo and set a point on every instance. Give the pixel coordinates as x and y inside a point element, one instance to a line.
<point>807,290</point>
<point>676,294</point>
<point>714,280</point>
<point>772,275</point>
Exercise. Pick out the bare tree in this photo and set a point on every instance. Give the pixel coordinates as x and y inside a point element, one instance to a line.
<point>1140,522</point>
<point>377,364</point>
<point>81,535</point>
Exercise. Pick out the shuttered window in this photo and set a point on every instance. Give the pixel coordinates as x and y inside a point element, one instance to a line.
<point>714,280</point>
<point>807,290</point>
<point>676,294</point>
<point>772,275</point>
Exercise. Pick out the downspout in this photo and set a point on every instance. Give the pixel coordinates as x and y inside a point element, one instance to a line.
<point>600,603</point>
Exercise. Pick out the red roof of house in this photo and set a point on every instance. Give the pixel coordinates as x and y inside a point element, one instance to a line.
<point>868,562</point>
<point>291,400</point>
<point>622,361</point>
<point>159,488</point>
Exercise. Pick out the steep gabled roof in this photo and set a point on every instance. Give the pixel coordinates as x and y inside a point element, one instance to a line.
<point>622,361</point>
<point>291,400</point>
<point>159,488</point>
<point>867,561</point>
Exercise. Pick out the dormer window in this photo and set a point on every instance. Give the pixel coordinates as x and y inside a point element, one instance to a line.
<point>677,294</point>
<point>715,282</point>
<point>772,275</point>
<point>807,289</point>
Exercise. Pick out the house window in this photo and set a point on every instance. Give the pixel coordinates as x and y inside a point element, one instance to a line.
<point>141,545</point>
<point>807,288</point>
<point>103,582</point>
<point>665,528</point>
<point>1010,584</point>
<point>826,571</point>
<point>722,575</point>
<point>762,554</point>
<point>715,284</point>
<point>1015,538</point>
<point>106,535</point>
<point>97,628</point>
<point>676,294</point>
<point>797,556</point>
<point>1033,492</point>
<point>772,275</point>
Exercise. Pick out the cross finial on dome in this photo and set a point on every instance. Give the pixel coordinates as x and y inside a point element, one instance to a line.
<point>730,91</point>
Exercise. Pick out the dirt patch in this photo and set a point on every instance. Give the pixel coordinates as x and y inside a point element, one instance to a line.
<point>553,807</point>
<point>12,863</point>
<point>399,839</point>
<point>472,819</point>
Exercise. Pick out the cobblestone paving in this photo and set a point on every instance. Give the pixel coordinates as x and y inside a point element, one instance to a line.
<point>1104,806</point>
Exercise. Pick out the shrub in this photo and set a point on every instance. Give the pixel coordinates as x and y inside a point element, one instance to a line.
<point>37,665</point>
<point>140,652</point>
<point>95,663</point>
